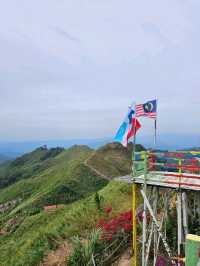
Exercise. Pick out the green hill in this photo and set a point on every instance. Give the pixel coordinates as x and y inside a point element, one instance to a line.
<point>60,179</point>
<point>31,240</point>
<point>113,159</point>
<point>56,176</point>
<point>27,165</point>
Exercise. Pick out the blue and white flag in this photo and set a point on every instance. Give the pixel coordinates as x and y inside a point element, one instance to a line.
<point>128,128</point>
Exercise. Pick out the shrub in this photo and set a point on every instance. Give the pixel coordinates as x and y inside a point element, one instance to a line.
<point>82,255</point>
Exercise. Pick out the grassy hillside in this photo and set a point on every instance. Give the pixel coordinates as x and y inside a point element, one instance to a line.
<point>63,179</point>
<point>27,165</point>
<point>113,159</point>
<point>56,176</point>
<point>38,233</point>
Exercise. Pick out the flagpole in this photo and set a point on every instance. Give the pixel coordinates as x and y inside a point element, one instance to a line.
<point>155,125</point>
<point>134,203</point>
<point>155,132</point>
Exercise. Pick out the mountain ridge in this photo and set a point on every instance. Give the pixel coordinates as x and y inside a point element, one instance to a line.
<point>62,177</point>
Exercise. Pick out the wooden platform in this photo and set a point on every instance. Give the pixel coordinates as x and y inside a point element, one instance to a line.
<point>170,180</point>
<point>168,169</point>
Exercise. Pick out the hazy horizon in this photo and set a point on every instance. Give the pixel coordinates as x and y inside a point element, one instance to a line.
<point>164,141</point>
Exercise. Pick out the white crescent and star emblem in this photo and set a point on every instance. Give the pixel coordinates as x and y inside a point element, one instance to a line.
<point>148,107</point>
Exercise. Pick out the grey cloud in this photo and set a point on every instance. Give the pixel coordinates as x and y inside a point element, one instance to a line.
<point>77,78</point>
<point>65,34</point>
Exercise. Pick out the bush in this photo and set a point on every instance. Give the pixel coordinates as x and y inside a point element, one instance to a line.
<point>82,255</point>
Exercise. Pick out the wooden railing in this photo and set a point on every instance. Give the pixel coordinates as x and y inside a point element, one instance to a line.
<point>177,162</point>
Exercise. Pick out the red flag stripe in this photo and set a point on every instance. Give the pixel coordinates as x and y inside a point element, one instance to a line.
<point>140,112</point>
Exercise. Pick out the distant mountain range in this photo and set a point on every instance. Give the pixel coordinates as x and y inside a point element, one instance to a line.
<point>15,149</point>
<point>4,158</point>
<point>164,141</point>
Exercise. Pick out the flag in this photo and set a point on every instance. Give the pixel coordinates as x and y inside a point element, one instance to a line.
<point>128,128</point>
<point>148,109</point>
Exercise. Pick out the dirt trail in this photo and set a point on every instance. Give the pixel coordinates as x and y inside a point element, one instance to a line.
<point>58,257</point>
<point>125,262</point>
<point>125,259</point>
<point>93,169</point>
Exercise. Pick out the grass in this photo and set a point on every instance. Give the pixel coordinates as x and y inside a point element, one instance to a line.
<point>57,176</point>
<point>67,179</point>
<point>113,160</point>
<point>39,233</point>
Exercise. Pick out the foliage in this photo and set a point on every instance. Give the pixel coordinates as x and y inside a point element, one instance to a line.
<point>113,235</point>
<point>112,228</point>
<point>38,233</point>
<point>27,165</point>
<point>98,201</point>
<point>48,177</point>
<point>113,159</point>
<point>171,229</point>
<point>83,252</point>
<point>65,180</point>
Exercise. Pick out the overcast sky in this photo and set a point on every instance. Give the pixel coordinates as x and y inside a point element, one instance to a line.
<point>70,68</point>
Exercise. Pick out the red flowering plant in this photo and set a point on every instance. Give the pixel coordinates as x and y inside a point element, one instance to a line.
<point>115,233</point>
<point>116,227</point>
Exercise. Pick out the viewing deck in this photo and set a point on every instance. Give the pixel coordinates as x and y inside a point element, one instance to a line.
<point>168,169</point>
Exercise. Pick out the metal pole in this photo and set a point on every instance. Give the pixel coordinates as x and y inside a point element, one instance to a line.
<point>149,243</point>
<point>156,223</point>
<point>179,212</point>
<point>179,221</point>
<point>134,203</point>
<point>198,205</point>
<point>185,213</point>
<point>162,222</point>
<point>155,231</point>
<point>134,191</point>
<point>144,225</point>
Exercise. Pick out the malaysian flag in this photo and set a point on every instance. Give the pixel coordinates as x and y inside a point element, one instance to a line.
<point>148,109</point>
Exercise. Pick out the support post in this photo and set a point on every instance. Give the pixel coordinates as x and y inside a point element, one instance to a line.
<point>185,213</point>
<point>155,231</point>
<point>149,243</point>
<point>162,222</point>
<point>156,223</point>
<point>179,211</point>
<point>134,191</point>
<point>144,224</point>
<point>198,205</point>
<point>134,203</point>
<point>179,221</point>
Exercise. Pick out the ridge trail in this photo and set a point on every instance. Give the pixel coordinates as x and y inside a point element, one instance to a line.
<point>126,178</point>
<point>93,169</point>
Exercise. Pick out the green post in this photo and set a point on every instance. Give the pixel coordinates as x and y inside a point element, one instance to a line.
<point>192,250</point>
